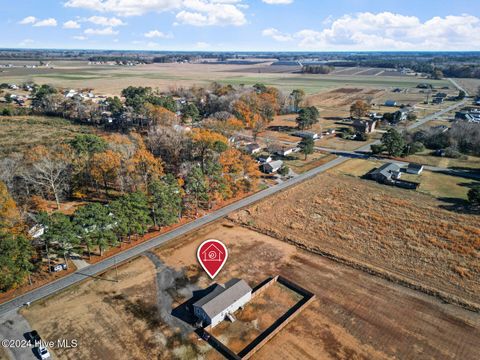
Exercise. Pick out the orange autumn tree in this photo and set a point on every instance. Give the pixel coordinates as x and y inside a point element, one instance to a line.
<point>105,168</point>
<point>144,168</point>
<point>240,171</point>
<point>206,142</point>
<point>158,115</point>
<point>10,219</point>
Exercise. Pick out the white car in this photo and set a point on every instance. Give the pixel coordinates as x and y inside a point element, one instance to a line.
<point>43,352</point>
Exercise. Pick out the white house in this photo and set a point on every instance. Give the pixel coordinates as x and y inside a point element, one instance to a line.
<point>222,302</point>
<point>272,167</point>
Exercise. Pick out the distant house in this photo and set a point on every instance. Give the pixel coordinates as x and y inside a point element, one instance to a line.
<point>438,100</point>
<point>253,148</point>
<point>264,159</point>
<point>390,103</point>
<point>387,173</point>
<point>364,126</point>
<point>414,168</point>
<point>222,302</point>
<point>306,135</point>
<point>286,150</point>
<point>272,166</point>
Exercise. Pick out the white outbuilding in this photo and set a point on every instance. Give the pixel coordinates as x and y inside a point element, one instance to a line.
<point>222,302</point>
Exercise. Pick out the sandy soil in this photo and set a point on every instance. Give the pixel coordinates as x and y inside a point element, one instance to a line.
<point>355,316</point>
<point>256,317</point>
<point>110,320</point>
<point>401,231</point>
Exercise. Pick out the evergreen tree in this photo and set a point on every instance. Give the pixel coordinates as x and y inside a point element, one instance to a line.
<point>94,225</point>
<point>166,201</point>
<point>15,255</point>
<point>196,187</point>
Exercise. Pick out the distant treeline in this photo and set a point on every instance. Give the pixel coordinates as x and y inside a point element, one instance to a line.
<point>317,69</point>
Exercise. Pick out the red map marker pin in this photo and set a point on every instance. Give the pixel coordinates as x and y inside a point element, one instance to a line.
<point>212,255</point>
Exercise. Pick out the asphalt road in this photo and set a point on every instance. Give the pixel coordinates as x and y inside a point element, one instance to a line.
<point>98,268</point>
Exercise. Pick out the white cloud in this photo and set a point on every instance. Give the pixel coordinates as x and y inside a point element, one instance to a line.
<point>26,42</point>
<point>46,22</point>
<point>276,35</point>
<point>277,2</point>
<point>104,21</point>
<point>28,20</point>
<point>80,37</point>
<point>126,7</point>
<point>71,24</point>
<point>157,34</point>
<point>389,31</point>
<point>190,12</point>
<point>105,31</point>
<point>214,12</point>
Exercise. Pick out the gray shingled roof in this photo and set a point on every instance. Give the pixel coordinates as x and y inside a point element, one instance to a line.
<point>386,169</point>
<point>223,296</point>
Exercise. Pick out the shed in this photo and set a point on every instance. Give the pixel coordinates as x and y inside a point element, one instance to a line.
<point>306,135</point>
<point>222,301</point>
<point>390,103</point>
<point>253,148</point>
<point>414,168</point>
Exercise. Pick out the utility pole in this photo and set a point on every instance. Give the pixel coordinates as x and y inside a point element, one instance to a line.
<point>116,267</point>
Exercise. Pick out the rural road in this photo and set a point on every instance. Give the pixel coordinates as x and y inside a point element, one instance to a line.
<point>98,268</point>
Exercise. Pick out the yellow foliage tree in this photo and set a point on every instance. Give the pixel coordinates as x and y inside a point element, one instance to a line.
<point>145,168</point>
<point>105,168</point>
<point>10,219</point>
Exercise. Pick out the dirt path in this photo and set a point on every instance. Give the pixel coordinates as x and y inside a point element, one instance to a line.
<point>13,326</point>
<point>166,279</point>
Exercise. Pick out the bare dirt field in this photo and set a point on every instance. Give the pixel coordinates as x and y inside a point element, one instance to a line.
<point>261,312</point>
<point>388,229</point>
<point>355,315</point>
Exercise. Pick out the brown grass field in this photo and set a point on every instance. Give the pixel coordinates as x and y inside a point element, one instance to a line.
<point>355,315</point>
<point>399,231</point>
<point>19,133</point>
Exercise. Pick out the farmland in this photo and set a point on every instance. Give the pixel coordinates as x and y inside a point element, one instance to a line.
<point>102,313</point>
<point>393,230</point>
<point>112,79</point>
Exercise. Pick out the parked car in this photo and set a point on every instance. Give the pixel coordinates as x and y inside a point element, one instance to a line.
<point>58,267</point>
<point>34,337</point>
<point>43,352</point>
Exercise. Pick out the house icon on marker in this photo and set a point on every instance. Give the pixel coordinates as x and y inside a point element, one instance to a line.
<point>212,253</point>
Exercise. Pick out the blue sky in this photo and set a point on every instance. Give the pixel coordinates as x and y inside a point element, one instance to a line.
<point>283,25</point>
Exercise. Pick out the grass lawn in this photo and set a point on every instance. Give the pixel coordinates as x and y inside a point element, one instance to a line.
<point>472,162</point>
<point>441,185</point>
<point>299,165</point>
<point>356,167</point>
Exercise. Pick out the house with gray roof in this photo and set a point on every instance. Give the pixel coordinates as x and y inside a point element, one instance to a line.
<point>222,302</point>
<point>387,173</point>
